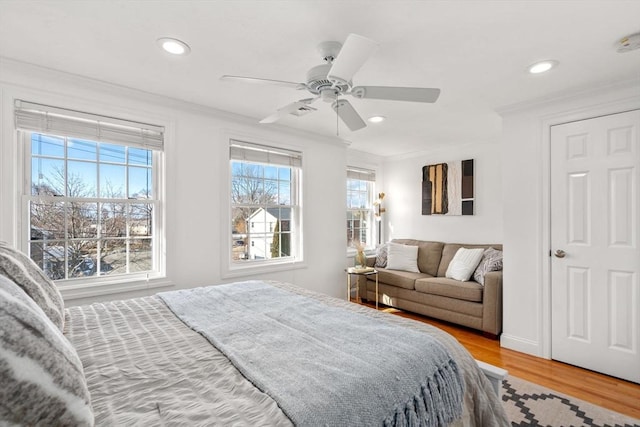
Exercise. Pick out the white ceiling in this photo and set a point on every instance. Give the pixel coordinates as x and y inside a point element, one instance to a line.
<point>476,51</point>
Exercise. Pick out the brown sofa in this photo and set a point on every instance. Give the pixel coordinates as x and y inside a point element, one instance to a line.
<point>430,293</point>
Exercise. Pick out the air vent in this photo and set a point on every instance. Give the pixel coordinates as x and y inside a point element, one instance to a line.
<point>303,110</point>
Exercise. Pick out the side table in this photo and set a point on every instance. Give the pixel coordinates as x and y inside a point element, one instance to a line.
<point>360,272</point>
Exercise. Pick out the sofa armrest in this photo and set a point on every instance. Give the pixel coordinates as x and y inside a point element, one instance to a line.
<point>492,303</point>
<point>371,260</point>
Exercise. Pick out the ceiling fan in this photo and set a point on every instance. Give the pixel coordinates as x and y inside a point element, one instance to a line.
<point>331,80</point>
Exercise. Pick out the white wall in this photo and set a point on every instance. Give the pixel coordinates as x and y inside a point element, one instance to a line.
<point>403,187</point>
<point>196,177</point>
<point>525,172</point>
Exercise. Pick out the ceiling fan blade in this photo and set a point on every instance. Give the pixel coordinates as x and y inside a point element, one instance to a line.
<point>348,114</point>
<point>355,51</point>
<point>413,94</point>
<point>292,108</point>
<point>256,80</point>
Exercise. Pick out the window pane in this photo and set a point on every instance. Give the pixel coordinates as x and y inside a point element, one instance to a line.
<point>45,145</point>
<point>112,181</point>
<point>140,219</point>
<point>112,153</point>
<point>284,193</point>
<point>80,149</point>
<point>47,220</point>
<point>271,191</point>
<point>139,183</point>
<point>140,156</point>
<point>284,174</point>
<point>50,257</point>
<point>113,219</point>
<point>83,219</point>
<point>47,177</point>
<point>82,179</point>
<point>82,258</point>
<point>271,172</point>
<point>113,256</point>
<point>140,255</point>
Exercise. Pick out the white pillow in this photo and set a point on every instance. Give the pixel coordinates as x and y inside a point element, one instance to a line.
<point>402,257</point>
<point>464,264</point>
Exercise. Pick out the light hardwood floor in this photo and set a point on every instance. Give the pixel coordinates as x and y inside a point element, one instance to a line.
<point>612,393</point>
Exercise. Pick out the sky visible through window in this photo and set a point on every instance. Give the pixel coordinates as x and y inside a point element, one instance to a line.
<point>122,172</point>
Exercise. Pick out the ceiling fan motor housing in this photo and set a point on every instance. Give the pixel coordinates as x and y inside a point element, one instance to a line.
<point>317,81</point>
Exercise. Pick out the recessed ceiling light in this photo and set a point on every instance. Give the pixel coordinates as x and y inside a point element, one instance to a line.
<point>376,119</point>
<point>542,66</point>
<point>174,46</point>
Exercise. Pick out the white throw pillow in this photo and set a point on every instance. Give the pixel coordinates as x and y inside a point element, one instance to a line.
<point>402,257</point>
<point>464,264</point>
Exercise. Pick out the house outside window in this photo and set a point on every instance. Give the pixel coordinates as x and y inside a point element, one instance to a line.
<point>265,204</point>
<point>360,211</point>
<point>90,201</point>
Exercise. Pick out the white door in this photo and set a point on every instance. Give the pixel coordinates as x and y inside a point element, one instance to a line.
<point>595,267</point>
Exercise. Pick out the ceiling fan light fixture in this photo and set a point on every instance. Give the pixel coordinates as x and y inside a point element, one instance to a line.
<point>174,46</point>
<point>376,119</point>
<point>542,66</point>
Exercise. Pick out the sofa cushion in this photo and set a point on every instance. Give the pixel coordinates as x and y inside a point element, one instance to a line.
<point>401,279</point>
<point>449,251</point>
<point>468,291</point>
<point>429,254</point>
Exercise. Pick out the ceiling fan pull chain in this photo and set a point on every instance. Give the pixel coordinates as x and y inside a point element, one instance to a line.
<point>337,122</point>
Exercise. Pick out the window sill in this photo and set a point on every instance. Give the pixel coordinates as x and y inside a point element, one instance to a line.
<point>250,270</point>
<point>92,289</point>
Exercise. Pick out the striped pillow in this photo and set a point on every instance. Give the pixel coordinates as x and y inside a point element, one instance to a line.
<point>464,263</point>
<point>41,376</point>
<point>25,273</point>
<point>491,261</point>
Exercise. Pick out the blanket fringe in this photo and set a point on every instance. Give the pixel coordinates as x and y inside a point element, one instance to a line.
<point>438,403</point>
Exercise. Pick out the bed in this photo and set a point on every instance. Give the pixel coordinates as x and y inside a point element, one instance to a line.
<point>136,362</point>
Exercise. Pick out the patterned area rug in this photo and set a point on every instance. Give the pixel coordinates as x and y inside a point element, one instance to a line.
<point>529,404</point>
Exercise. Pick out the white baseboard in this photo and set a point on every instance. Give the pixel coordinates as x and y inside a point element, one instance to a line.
<point>521,344</point>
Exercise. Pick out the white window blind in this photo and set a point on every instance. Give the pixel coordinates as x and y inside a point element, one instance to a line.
<point>34,117</point>
<point>256,153</point>
<point>361,174</point>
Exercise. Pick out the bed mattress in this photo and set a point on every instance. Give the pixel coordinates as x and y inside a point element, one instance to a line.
<point>144,366</point>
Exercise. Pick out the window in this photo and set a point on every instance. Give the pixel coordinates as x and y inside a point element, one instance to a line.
<point>360,212</point>
<point>91,203</point>
<point>265,208</point>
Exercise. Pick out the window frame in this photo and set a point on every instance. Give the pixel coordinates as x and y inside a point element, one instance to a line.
<point>233,268</point>
<point>88,286</point>
<point>369,177</point>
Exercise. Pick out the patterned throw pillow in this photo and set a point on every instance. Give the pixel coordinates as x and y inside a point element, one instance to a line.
<point>491,261</point>
<point>41,376</point>
<point>381,255</point>
<point>25,273</point>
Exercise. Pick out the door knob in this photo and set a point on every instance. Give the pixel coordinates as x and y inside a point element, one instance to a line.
<point>559,253</point>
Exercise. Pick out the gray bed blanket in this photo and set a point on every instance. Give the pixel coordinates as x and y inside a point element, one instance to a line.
<point>309,357</point>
